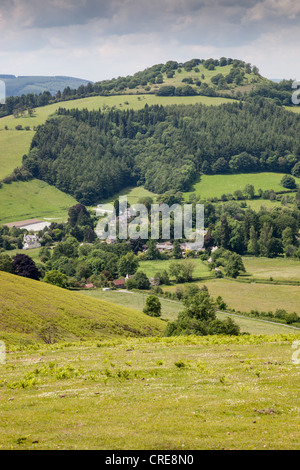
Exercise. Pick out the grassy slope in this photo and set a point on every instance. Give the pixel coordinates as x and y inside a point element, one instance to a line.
<point>205,76</point>
<point>27,306</point>
<point>13,145</point>
<point>215,185</point>
<point>130,395</point>
<point>33,199</point>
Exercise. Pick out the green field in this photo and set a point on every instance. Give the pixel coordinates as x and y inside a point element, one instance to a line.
<point>135,300</point>
<point>134,194</point>
<point>33,253</point>
<point>293,109</point>
<point>170,310</point>
<point>33,199</point>
<point>258,204</point>
<point>13,145</point>
<point>211,186</point>
<point>250,296</point>
<point>150,268</point>
<point>279,269</point>
<point>188,393</point>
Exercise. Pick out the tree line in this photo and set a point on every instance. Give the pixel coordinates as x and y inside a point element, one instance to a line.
<point>94,154</point>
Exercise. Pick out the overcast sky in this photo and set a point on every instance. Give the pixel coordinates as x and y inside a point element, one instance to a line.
<point>99,39</point>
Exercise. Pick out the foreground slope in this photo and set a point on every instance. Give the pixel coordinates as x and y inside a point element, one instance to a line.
<point>205,393</point>
<point>39,312</point>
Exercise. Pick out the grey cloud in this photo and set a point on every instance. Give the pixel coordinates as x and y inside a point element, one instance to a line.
<point>216,23</point>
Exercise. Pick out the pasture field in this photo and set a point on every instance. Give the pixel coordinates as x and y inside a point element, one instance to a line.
<point>134,194</point>
<point>257,204</point>
<point>152,267</point>
<point>210,186</point>
<point>244,296</point>
<point>279,269</point>
<point>135,300</point>
<point>22,200</point>
<point>170,310</point>
<point>13,145</point>
<point>186,393</point>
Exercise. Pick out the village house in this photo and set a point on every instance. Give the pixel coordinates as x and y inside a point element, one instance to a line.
<point>30,242</point>
<point>164,247</point>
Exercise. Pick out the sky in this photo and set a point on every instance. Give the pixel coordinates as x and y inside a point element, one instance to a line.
<point>103,39</point>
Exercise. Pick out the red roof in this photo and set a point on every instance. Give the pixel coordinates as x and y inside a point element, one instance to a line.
<point>119,282</point>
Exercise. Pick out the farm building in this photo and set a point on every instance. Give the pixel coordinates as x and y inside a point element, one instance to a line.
<point>119,283</point>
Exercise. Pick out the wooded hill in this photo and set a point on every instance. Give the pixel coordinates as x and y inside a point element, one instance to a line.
<point>224,77</point>
<point>93,155</point>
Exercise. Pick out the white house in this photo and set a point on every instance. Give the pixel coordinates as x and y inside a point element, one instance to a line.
<point>30,242</point>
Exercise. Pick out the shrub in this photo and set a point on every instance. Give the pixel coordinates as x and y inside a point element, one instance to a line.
<point>288,182</point>
<point>153,306</point>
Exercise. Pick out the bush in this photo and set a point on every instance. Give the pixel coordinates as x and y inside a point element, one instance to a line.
<point>56,278</point>
<point>226,327</point>
<point>153,306</point>
<point>288,182</point>
<point>292,318</point>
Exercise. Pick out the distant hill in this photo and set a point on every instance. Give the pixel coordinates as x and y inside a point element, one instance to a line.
<point>34,311</point>
<point>23,85</point>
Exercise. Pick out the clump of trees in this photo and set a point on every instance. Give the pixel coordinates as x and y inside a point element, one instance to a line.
<point>199,318</point>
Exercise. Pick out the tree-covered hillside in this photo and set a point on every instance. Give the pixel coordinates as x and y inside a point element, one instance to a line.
<point>92,155</point>
<point>225,77</point>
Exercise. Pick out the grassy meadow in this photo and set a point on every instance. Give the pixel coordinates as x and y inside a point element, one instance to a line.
<point>33,199</point>
<point>187,393</point>
<point>210,186</point>
<point>278,269</point>
<point>150,268</point>
<point>133,194</point>
<point>245,297</point>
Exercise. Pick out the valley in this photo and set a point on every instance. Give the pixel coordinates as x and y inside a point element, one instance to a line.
<point>141,343</point>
